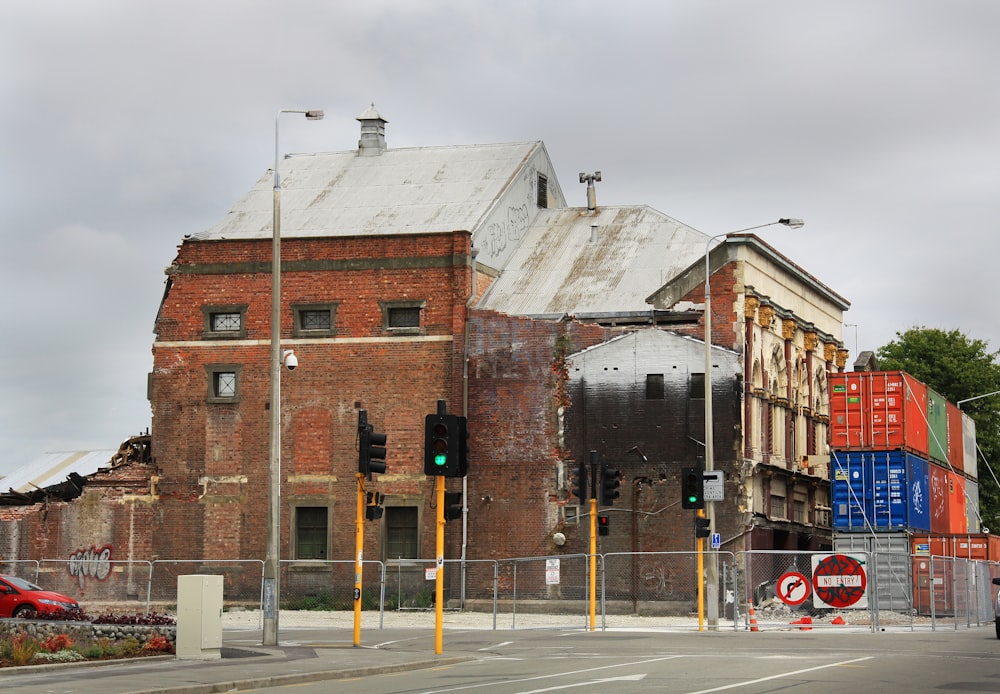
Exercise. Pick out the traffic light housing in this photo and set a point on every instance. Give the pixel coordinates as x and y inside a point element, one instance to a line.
<point>463,446</point>
<point>371,451</point>
<point>610,481</point>
<point>441,446</point>
<point>603,524</point>
<point>701,527</point>
<point>452,505</point>
<point>578,481</point>
<point>692,488</point>
<point>373,509</point>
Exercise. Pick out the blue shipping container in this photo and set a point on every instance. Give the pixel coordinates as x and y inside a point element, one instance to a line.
<point>879,491</point>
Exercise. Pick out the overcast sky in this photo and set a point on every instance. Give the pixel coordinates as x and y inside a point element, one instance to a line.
<point>127,124</point>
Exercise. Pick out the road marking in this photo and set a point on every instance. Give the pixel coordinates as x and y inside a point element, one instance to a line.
<point>480,685</point>
<point>606,680</point>
<point>786,674</point>
<point>499,645</point>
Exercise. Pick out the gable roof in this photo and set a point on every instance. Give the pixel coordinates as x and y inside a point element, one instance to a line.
<point>575,260</point>
<point>400,191</point>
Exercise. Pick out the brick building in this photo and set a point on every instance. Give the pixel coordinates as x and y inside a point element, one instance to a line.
<point>461,274</point>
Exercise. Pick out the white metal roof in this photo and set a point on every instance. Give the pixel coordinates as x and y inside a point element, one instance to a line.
<point>53,468</point>
<point>565,266</point>
<point>400,191</point>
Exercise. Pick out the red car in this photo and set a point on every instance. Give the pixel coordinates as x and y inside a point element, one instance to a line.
<point>18,596</point>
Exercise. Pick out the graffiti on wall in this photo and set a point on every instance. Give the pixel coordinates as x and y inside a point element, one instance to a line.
<point>90,563</point>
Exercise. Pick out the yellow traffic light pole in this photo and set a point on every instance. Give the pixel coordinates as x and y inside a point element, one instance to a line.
<point>439,572</point>
<point>359,556</point>
<point>700,548</point>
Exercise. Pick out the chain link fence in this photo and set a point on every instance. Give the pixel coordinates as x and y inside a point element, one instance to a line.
<point>757,590</point>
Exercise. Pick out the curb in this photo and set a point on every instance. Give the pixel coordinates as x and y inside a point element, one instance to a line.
<point>304,677</point>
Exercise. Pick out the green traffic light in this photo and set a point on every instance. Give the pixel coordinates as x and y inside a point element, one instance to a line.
<point>440,459</point>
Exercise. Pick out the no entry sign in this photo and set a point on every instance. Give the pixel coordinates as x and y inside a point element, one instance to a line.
<point>840,581</point>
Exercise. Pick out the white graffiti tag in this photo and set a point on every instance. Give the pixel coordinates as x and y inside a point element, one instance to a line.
<point>93,562</point>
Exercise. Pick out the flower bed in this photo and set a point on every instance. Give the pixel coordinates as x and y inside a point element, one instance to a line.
<point>32,642</point>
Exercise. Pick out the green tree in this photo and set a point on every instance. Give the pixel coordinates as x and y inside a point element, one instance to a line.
<point>959,369</point>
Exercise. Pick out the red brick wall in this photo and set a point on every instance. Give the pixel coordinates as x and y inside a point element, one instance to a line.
<point>214,457</point>
<point>516,386</point>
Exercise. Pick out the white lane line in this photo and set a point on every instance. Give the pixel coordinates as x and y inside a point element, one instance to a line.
<point>499,645</point>
<point>606,680</point>
<point>786,674</point>
<point>479,685</point>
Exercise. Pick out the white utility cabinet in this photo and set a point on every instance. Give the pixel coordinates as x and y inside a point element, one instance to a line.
<point>199,617</point>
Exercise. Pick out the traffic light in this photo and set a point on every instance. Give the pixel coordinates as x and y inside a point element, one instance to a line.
<point>610,481</point>
<point>452,505</point>
<point>441,449</point>
<point>578,481</point>
<point>692,488</point>
<point>603,524</point>
<point>373,509</point>
<point>463,446</point>
<point>371,450</point>
<point>701,527</point>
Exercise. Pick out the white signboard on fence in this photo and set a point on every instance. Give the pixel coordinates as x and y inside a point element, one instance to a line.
<point>551,572</point>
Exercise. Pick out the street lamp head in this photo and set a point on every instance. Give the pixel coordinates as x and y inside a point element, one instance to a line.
<point>314,115</point>
<point>792,222</point>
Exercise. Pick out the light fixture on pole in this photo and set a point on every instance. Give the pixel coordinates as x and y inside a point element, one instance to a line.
<point>712,565</point>
<point>272,591</point>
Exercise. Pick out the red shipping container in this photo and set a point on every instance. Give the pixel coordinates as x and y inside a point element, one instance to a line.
<point>947,501</point>
<point>878,410</point>
<point>956,446</point>
<point>964,546</point>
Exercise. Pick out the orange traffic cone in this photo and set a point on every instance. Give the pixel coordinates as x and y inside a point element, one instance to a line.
<point>753,618</point>
<point>838,620</point>
<point>803,622</point>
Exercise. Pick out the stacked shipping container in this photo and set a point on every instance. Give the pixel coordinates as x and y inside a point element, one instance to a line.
<point>902,457</point>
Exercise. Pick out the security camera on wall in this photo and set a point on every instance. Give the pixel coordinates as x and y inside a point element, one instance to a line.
<point>291,361</point>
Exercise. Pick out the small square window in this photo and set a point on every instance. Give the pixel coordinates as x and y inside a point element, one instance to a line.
<point>571,514</point>
<point>402,316</point>
<point>223,383</point>
<point>221,322</point>
<point>314,320</point>
<point>224,321</point>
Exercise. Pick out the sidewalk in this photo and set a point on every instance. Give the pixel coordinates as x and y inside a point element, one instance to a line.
<point>314,646</point>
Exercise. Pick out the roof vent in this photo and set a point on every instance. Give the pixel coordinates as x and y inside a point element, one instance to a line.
<point>591,191</point>
<point>372,142</point>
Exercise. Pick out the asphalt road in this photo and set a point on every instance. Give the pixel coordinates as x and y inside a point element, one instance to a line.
<point>531,662</point>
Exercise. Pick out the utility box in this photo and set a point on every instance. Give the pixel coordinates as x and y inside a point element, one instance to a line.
<point>199,617</point>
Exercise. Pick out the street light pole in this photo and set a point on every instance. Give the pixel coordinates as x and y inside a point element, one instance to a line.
<point>272,591</point>
<point>712,565</point>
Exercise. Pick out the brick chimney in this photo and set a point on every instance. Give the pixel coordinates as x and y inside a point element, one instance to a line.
<point>372,142</point>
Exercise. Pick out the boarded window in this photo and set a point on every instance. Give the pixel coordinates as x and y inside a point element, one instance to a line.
<point>401,532</point>
<point>654,387</point>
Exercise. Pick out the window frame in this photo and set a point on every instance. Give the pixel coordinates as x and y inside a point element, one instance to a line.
<point>212,372</point>
<point>389,306</point>
<point>306,503</point>
<point>299,309</point>
<point>394,509</point>
<point>212,310</point>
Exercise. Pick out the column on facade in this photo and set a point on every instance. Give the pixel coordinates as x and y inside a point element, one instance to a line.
<point>765,316</point>
<point>810,341</point>
<point>750,305</point>
<point>788,328</point>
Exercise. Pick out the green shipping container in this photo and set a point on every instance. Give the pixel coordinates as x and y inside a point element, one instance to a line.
<point>937,427</point>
